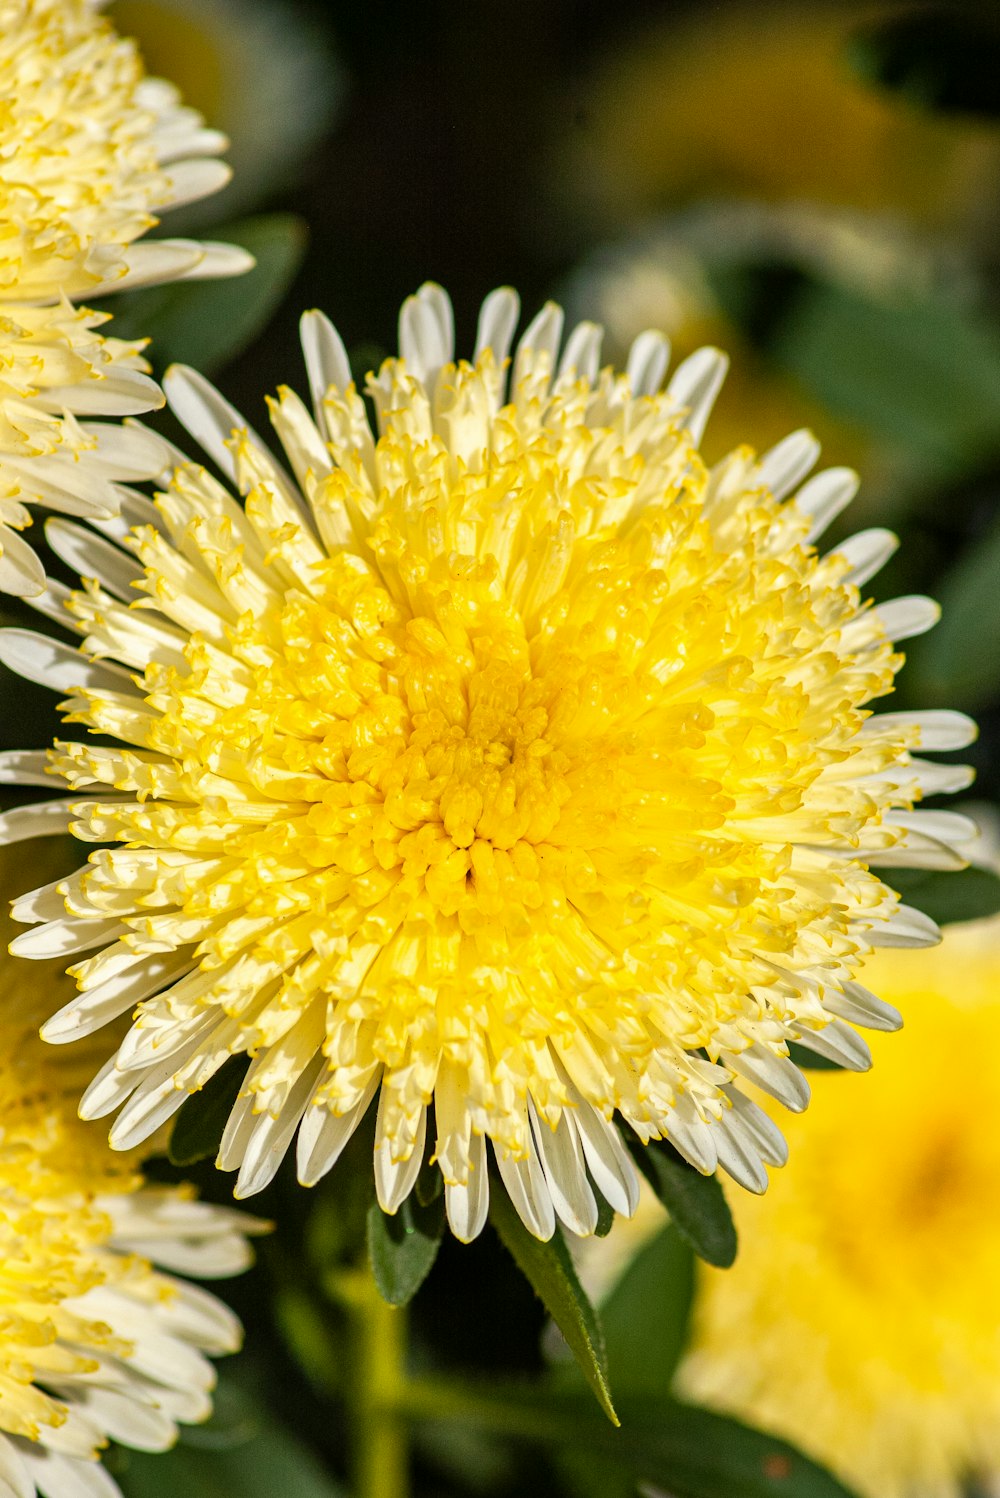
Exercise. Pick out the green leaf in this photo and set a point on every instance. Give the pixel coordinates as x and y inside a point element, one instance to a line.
<point>402,1248</point>
<point>964,895</point>
<point>240,1450</point>
<point>552,1275</point>
<point>695,1202</point>
<point>938,56</point>
<point>646,1315</point>
<point>605,1215</point>
<point>808,1060</point>
<point>688,1452</point>
<point>919,372</point>
<point>208,323</point>
<point>202,1120</point>
<point>958,662</point>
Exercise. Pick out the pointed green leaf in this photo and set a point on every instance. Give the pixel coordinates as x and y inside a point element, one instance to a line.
<point>808,1060</point>
<point>646,1315</point>
<point>686,1452</point>
<point>695,1202</point>
<point>551,1273</point>
<point>202,1120</point>
<point>402,1248</point>
<point>962,895</point>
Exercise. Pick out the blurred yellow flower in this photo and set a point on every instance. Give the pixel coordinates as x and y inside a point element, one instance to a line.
<point>861,1318</point>
<point>506,758</point>
<point>760,101</point>
<point>90,152</point>
<point>95,1344</point>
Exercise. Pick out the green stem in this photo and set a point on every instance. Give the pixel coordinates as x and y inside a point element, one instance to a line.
<point>380,1456</point>
<point>439,1399</point>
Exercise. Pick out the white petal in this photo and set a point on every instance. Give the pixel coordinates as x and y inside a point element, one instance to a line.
<point>648,360</point>
<point>837,1042</point>
<point>939,729</point>
<point>59,667</point>
<point>528,1191</point>
<point>25,767</point>
<point>194,179</point>
<point>52,603</point>
<point>824,496</point>
<point>21,573</point>
<point>121,1416</point>
<point>394,1179</point>
<point>14,1477</point>
<point>695,384</point>
<point>940,780</point>
<point>125,392</point>
<point>497,322</point>
<point>867,552</point>
<point>151,262</point>
<point>91,557</point>
<point>218,261</point>
<point>608,1161</point>
<point>787,464</point>
<point>565,1172</point>
<point>427,331</point>
<point>468,1204</point>
<point>201,1319</point>
<point>778,1076</point>
<point>581,358</point>
<point>906,927</point>
<point>66,936</point>
<point>93,1009</point>
<point>270,1138</point>
<point>236,1135</point>
<point>541,336</point>
<point>323,1135</point>
<point>691,1136</point>
<point>41,819</point>
<point>107,1091</point>
<point>902,618</point>
<point>58,1476</point>
<point>737,1155</point>
<point>327,364</point>
<point>764,1133</point>
<point>861,1007</point>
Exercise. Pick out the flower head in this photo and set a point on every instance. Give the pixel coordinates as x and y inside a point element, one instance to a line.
<point>505,759</point>
<point>95,1344</point>
<point>90,152</point>
<point>866,1291</point>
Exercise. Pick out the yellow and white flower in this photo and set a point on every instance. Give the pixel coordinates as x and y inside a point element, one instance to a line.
<point>90,152</point>
<point>505,758</point>
<point>860,1319</point>
<point>95,1343</point>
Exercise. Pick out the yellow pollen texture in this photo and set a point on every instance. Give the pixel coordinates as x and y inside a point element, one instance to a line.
<point>531,758</point>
